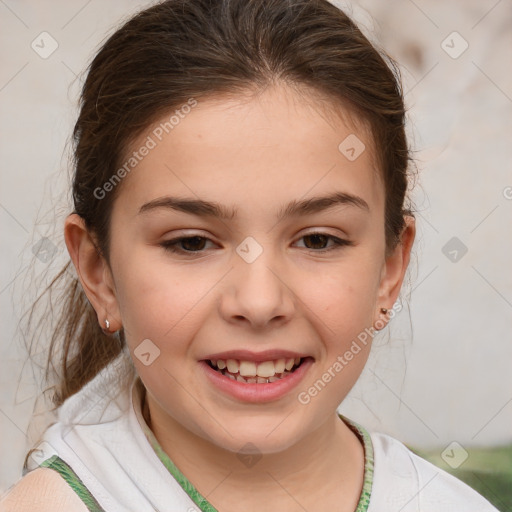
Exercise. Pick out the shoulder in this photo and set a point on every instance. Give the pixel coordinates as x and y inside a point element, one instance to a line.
<point>44,490</point>
<point>417,484</point>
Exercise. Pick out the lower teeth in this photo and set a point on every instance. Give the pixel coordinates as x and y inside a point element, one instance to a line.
<point>254,380</point>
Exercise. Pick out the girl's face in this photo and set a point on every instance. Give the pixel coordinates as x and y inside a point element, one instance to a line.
<point>241,180</point>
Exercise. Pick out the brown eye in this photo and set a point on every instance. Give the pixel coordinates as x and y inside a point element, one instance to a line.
<point>317,242</point>
<point>189,244</point>
<point>194,243</point>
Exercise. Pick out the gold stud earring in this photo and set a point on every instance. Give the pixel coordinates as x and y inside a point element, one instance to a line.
<point>384,310</point>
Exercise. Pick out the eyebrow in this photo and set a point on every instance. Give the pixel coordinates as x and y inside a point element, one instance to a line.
<point>204,208</point>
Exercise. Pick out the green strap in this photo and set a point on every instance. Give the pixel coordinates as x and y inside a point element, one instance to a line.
<point>56,463</point>
<point>362,433</point>
<point>205,506</point>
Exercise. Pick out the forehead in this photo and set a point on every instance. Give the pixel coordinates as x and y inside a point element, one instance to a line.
<point>253,149</point>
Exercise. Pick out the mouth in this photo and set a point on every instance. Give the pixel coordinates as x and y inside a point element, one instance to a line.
<point>251,377</point>
<point>251,372</point>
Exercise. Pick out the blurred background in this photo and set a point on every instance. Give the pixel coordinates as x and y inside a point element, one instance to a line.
<point>439,377</point>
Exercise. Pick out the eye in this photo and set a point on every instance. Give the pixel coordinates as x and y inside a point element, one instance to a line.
<point>320,239</point>
<point>189,244</point>
<point>196,244</point>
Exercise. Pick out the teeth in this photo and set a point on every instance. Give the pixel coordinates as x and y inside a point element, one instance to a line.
<point>232,366</point>
<point>248,369</point>
<point>266,369</point>
<point>280,365</point>
<point>252,373</point>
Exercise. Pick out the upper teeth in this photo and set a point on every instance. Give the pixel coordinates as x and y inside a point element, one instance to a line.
<point>251,369</point>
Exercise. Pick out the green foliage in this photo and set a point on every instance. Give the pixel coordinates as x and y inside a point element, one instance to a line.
<point>487,470</point>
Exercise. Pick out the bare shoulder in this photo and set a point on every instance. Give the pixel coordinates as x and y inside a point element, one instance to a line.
<point>44,490</point>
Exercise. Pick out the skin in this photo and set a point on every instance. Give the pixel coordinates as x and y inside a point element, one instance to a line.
<point>255,154</point>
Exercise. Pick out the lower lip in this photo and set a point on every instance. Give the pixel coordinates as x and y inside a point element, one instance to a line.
<point>257,392</point>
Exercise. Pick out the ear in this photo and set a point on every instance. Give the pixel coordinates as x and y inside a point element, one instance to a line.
<point>393,270</point>
<point>93,271</point>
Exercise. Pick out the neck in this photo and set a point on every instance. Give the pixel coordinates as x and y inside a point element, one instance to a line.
<point>328,462</point>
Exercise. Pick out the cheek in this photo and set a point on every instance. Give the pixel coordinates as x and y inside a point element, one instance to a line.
<point>344,295</point>
<point>160,301</point>
<point>344,306</point>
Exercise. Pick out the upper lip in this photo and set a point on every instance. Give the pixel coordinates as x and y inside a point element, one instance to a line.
<point>257,357</point>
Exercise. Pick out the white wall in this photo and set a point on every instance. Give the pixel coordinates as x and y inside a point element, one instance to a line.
<point>446,379</point>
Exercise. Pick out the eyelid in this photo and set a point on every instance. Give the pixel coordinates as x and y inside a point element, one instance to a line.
<point>337,241</point>
<point>171,245</point>
<point>325,231</point>
<point>178,235</point>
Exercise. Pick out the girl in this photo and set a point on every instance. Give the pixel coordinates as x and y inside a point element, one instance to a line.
<point>239,234</point>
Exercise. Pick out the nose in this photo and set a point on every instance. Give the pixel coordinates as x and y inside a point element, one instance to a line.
<point>258,292</point>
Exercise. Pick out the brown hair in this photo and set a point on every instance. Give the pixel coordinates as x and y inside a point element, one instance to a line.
<point>179,49</point>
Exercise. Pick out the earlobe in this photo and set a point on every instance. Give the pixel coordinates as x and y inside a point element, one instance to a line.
<point>93,272</point>
<point>382,320</point>
<point>394,270</point>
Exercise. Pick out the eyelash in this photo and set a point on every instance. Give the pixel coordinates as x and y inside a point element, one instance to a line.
<point>171,245</point>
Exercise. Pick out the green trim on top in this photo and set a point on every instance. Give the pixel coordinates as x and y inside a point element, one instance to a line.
<point>205,506</point>
<point>364,436</point>
<point>56,463</point>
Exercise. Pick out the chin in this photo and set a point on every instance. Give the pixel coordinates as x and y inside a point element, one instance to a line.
<point>261,437</point>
